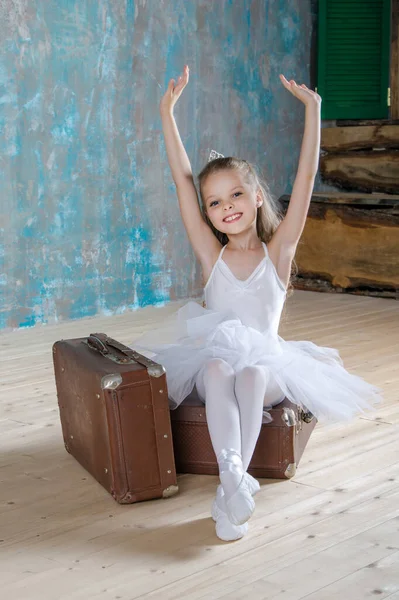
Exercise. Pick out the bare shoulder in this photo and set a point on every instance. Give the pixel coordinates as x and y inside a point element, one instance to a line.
<point>281,254</point>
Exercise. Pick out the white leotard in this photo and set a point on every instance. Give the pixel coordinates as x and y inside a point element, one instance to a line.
<point>258,301</point>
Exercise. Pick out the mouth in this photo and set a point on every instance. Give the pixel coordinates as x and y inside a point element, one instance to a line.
<point>232,218</point>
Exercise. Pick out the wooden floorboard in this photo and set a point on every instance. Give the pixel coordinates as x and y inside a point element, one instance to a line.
<point>330,532</point>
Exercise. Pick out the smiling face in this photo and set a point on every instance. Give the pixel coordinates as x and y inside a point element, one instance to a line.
<point>230,202</point>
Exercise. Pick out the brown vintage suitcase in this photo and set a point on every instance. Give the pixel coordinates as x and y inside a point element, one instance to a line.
<point>115,417</point>
<point>277,453</point>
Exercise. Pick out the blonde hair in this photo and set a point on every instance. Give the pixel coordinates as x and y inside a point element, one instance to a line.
<point>268,214</point>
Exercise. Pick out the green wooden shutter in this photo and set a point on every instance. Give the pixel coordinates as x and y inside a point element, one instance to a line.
<point>353,58</point>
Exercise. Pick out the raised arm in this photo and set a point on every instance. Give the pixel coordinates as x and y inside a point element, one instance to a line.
<point>284,242</point>
<point>204,242</point>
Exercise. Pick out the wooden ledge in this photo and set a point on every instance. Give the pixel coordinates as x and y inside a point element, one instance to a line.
<point>352,198</point>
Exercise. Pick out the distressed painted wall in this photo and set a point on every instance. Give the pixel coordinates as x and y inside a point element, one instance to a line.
<point>89,218</point>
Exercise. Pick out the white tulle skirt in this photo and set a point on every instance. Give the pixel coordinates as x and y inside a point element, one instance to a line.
<point>309,375</point>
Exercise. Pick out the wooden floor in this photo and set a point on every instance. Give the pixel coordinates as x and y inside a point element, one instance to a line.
<point>331,532</point>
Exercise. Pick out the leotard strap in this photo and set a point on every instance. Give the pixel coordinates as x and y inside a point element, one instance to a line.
<point>214,266</point>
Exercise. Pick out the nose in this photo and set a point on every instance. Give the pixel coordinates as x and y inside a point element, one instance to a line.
<point>228,205</point>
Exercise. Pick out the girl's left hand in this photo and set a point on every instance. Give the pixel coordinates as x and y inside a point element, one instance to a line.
<point>301,92</point>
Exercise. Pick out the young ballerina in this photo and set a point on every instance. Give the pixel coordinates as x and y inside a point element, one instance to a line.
<point>231,350</point>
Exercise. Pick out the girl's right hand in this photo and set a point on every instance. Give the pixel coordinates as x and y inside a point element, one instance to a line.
<point>173,92</point>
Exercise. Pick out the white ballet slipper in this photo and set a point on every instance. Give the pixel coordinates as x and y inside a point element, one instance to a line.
<point>239,504</point>
<point>225,530</point>
<point>253,485</point>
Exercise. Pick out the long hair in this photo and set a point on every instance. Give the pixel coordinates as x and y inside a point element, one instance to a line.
<point>268,215</point>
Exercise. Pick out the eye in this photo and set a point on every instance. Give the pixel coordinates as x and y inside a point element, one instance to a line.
<point>213,203</point>
<point>237,194</point>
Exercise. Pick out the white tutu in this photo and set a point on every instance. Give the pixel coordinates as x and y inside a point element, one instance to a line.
<point>309,375</point>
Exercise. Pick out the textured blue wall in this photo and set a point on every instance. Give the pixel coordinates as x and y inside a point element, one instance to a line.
<point>89,217</point>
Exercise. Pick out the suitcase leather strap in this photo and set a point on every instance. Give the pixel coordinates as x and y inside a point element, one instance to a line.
<point>102,343</point>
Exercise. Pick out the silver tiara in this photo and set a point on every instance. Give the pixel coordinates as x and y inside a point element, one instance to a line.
<point>214,155</point>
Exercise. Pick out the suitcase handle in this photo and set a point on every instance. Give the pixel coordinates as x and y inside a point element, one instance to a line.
<point>94,341</point>
<point>100,341</point>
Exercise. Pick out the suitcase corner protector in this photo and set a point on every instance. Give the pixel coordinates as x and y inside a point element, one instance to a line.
<point>170,491</point>
<point>290,470</point>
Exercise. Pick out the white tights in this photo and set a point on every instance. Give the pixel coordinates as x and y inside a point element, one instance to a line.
<point>234,409</point>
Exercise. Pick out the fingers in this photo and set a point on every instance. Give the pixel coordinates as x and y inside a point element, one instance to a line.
<point>301,91</point>
<point>182,80</point>
<point>287,84</point>
<point>291,84</point>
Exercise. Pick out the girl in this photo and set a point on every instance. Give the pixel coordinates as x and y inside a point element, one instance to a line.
<point>231,350</point>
